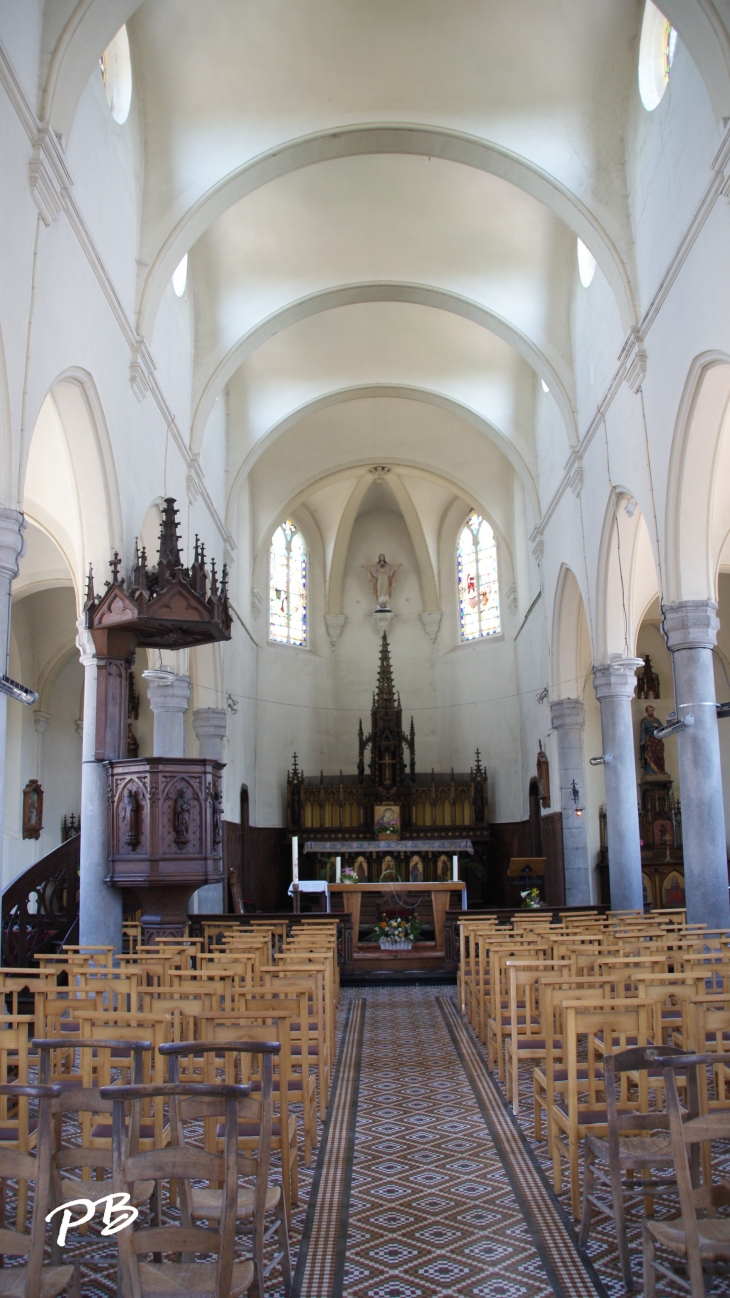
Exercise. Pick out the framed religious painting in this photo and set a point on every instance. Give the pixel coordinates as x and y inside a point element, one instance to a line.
<point>673,890</point>
<point>387,820</point>
<point>32,809</point>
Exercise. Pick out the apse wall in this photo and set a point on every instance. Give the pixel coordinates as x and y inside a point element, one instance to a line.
<point>461,696</point>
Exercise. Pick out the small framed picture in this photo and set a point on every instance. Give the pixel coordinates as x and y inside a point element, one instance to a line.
<point>387,821</point>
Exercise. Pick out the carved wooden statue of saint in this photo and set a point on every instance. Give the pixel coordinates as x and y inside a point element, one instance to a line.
<point>651,749</point>
<point>543,776</point>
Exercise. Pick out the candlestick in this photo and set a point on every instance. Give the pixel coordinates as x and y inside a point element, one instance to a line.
<point>295,860</point>
<point>455,868</point>
<point>338,869</point>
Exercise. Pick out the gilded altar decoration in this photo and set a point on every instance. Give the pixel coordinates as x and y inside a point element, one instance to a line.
<point>32,810</point>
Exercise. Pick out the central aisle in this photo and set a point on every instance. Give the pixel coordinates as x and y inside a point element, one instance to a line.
<point>424,1186</point>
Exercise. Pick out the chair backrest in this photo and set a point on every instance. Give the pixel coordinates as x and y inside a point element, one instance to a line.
<point>182,1163</point>
<point>15,1165</point>
<point>685,1133</point>
<point>83,1102</point>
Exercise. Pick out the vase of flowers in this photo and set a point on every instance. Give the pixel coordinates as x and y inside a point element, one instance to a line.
<point>349,875</point>
<point>531,899</point>
<point>397,934</point>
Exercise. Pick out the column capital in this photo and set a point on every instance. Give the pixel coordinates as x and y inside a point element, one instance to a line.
<point>41,721</point>
<point>12,542</point>
<point>85,644</point>
<point>567,714</point>
<point>210,722</point>
<point>617,678</point>
<point>691,624</point>
<point>167,691</point>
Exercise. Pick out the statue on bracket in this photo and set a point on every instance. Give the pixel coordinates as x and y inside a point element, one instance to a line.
<point>382,580</point>
<point>651,749</point>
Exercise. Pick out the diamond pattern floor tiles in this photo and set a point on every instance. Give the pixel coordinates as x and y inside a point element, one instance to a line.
<point>445,1197</point>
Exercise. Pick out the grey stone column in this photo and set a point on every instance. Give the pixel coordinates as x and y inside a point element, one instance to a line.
<point>614,684</point>
<point>169,696</point>
<point>209,725</point>
<point>100,905</point>
<point>12,548</point>
<point>691,630</point>
<point>568,719</point>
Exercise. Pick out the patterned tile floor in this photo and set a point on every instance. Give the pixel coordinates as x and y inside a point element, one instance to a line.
<point>445,1197</point>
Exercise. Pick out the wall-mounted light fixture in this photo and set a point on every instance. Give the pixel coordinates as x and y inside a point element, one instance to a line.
<point>604,760</point>
<point>576,798</point>
<point>675,725</point>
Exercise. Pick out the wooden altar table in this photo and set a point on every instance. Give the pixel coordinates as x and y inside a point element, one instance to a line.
<point>440,893</point>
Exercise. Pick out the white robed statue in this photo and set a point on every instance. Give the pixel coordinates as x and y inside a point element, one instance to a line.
<point>382,579</point>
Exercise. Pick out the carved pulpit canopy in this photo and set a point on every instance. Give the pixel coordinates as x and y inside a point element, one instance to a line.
<point>166,606</point>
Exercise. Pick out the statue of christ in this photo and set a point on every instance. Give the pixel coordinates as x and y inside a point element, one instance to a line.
<point>382,580</point>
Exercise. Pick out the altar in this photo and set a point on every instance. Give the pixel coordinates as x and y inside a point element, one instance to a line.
<point>348,897</point>
<point>410,839</point>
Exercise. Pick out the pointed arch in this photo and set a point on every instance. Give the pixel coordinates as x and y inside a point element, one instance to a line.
<point>95,530</point>
<point>571,656</point>
<point>627,576</point>
<point>697,513</point>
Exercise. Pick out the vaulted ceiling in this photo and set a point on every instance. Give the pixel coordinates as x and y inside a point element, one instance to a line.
<point>380,202</point>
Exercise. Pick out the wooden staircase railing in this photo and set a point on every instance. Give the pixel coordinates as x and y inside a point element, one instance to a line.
<point>41,907</point>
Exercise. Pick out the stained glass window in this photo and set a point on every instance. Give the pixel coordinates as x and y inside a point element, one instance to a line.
<point>476,560</point>
<point>288,586</point>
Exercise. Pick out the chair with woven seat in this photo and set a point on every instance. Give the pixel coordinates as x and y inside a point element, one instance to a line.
<point>256,1027</point>
<point>222,1278</point>
<point>253,1202</point>
<point>34,1279</point>
<point>79,1101</point>
<point>584,1108</point>
<point>698,1237</point>
<point>635,1142</point>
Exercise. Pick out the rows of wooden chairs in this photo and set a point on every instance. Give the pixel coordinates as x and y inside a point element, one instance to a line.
<point>593,1010</point>
<point>108,1059</point>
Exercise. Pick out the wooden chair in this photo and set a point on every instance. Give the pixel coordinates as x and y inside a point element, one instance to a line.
<point>617,1022</point>
<point>522,1026</point>
<point>223,1278</point>
<point>15,1166</point>
<point>84,1170</point>
<point>260,1027</point>
<point>608,1158</point>
<point>292,1000</point>
<point>699,1236</point>
<point>253,1202</point>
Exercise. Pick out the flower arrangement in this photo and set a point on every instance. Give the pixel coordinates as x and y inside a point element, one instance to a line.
<point>531,899</point>
<point>397,934</point>
<point>349,875</point>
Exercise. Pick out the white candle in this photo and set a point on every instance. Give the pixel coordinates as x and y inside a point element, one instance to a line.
<point>295,860</point>
<point>455,868</point>
<point>338,869</point>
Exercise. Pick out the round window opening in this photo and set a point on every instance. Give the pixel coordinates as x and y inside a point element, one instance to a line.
<point>656,56</point>
<point>116,70</point>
